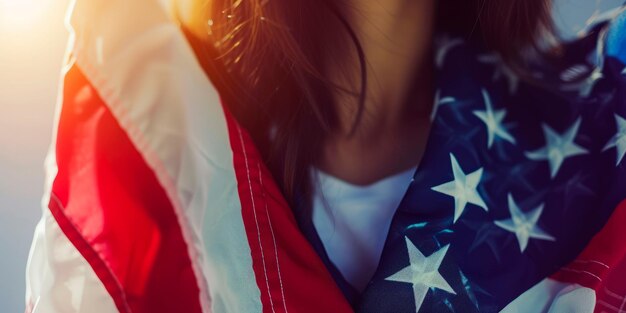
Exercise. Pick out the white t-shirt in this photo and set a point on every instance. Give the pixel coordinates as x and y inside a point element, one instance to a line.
<point>352,221</point>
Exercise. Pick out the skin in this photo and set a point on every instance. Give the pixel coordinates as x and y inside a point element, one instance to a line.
<point>396,36</point>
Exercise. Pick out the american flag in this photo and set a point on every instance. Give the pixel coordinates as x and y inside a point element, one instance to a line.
<point>158,201</point>
<point>518,204</point>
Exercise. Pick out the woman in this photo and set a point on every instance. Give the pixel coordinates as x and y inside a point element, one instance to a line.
<point>323,178</point>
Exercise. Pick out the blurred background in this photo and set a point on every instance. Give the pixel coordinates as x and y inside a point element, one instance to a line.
<point>32,45</point>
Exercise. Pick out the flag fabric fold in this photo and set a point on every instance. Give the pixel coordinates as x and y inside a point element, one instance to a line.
<point>157,200</point>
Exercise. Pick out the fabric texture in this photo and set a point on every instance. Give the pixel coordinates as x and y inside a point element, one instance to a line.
<point>157,200</point>
<point>516,181</point>
<point>352,221</point>
<point>212,197</point>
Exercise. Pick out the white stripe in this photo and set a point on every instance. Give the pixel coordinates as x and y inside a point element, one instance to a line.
<point>58,278</point>
<point>157,91</point>
<point>551,296</point>
<point>256,220</point>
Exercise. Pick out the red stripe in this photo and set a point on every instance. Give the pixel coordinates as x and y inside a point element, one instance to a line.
<point>110,205</point>
<point>602,264</point>
<point>288,272</point>
<point>612,292</point>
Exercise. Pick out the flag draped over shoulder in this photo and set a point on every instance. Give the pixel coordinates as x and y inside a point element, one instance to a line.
<point>518,203</point>
<point>158,201</point>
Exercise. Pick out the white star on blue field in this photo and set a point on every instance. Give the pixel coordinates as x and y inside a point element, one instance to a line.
<point>524,225</point>
<point>439,102</point>
<point>422,273</point>
<point>444,45</point>
<point>493,121</point>
<point>462,188</point>
<point>558,148</point>
<point>619,139</point>
<point>585,87</point>
<point>536,169</point>
<point>501,69</point>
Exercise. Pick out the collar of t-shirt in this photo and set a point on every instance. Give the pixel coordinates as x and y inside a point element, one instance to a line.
<point>352,221</point>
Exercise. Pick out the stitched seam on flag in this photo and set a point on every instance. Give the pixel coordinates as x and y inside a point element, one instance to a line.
<point>245,156</point>
<point>280,279</point>
<point>100,268</point>
<point>591,261</point>
<point>113,103</point>
<point>582,272</point>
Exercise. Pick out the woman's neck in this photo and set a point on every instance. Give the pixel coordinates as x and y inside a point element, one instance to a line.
<point>396,38</point>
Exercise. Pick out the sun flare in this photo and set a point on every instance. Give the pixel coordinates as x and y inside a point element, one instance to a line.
<point>21,13</point>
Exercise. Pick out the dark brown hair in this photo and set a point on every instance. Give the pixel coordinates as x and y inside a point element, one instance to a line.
<point>266,57</point>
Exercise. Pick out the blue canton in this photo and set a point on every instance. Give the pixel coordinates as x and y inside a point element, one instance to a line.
<point>516,178</point>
